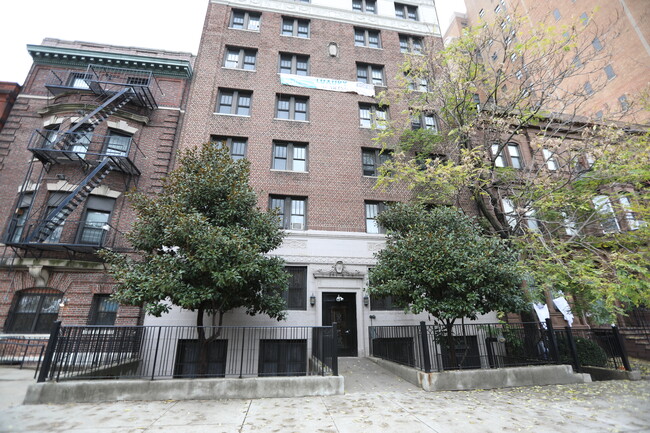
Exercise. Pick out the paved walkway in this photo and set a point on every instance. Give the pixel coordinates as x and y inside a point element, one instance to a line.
<point>597,407</point>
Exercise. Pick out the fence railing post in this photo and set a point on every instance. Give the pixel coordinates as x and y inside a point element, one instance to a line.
<point>621,347</point>
<point>552,342</point>
<point>155,355</point>
<point>335,349</point>
<point>49,352</point>
<point>426,357</point>
<point>573,349</point>
<point>241,360</point>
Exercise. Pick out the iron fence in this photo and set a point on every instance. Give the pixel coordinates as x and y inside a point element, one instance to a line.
<point>159,352</point>
<point>21,351</point>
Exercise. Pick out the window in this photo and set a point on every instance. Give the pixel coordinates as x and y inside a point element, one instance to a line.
<point>138,81</point>
<point>372,159</point>
<point>410,44</point>
<point>295,27</point>
<point>372,115</point>
<point>569,224</point>
<point>291,211</point>
<point>424,121</point>
<point>549,159</point>
<point>296,296</point>
<point>240,58</point>
<point>419,84</point>
<point>245,20</point>
<point>481,13</point>
<point>49,135</point>
<point>33,311</point>
<point>406,12</point>
<point>588,89</point>
<point>366,38</point>
<point>237,102</point>
<point>497,9</point>
<point>373,209</point>
<point>624,104</point>
<point>370,74</point>
<point>81,140</point>
<point>494,56</point>
<point>53,201</point>
<point>103,311</point>
<point>383,303</point>
<point>632,222</point>
<point>596,44</point>
<point>367,6</point>
<point>291,107</point>
<point>609,71</point>
<point>295,64</point>
<point>20,218</point>
<point>118,143</point>
<point>289,156</point>
<point>77,80</point>
<point>98,213</point>
<point>584,18</point>
<point>556,14</point>
<point>282,358</point>
<point>509,211</point>
<point>187,359</point>
<point>508,157</point>
<point>606,213</point>
<point>236,145</point>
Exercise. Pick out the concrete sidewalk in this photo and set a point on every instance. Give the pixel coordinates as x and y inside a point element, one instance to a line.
<point>618,406</point>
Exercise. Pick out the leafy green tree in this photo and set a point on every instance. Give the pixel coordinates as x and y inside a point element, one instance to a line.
<point>202,244</point>
<point>440,261</point>
<point>554,195</point>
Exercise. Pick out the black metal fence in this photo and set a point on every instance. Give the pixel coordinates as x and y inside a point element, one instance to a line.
<point>21,351</point>
<point>494,345</point>
<point>158,352</point>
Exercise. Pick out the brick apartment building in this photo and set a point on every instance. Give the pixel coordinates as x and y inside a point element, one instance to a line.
<point>619,35</point>
<point>290,86</point>
<point>91,122</point>
<point>8,93</point>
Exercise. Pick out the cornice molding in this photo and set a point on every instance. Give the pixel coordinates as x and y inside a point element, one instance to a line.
<point>74,107</point>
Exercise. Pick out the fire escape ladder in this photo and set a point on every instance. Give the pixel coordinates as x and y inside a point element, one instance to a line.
<point>57,217</point>
<point>91,120</point>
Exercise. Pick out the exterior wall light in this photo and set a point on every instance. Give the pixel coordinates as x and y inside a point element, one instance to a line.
<point>312,300</point>
<point>366,300</point>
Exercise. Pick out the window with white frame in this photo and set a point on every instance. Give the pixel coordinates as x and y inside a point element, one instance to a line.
<point>630,219</point>
<point>292,107</point>
<point>373,209</point>
<point>245,20</point>
<point>296,27</point>
<point>370,74</point>
<point>418,84</point>
<point>289,156</point>
<point>94,225</point>
<point>606,214</point>
<point>509,211</point>
<point>367,38</point>
<point>371,115</point>
<point>235,102</point>
<point>296,64</point>
<point>549,160</point>
<point>410,44</point>
<point>118,143</point>
<point>291,211</point>
<point>509,156</point>
<point>367,6</point>
<point>406,12</point>
<point>372,159</point>
<point>569,224</point>
<point>236,145</point>
<point>240,58</point>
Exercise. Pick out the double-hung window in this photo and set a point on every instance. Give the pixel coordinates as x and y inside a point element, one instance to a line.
<point>366,38</point>
<point>118,143</point>
<point>367,6</point>
<point>236,145</point>
<point>103,311</point>
<point>406,12</point>
<point>606,214</point>
<point>298,28</point>
<point>233,101</point>
<point>240,58</point>
<point>289,156</point>
<point>549,160</point>
<point>291,211</point>
<point>296,64</point>
<point>372,159</point>
<point>424,121</point>
<point>509,156</point>
<point>20,218</point>
<point>632,222</point>
<point>245,20</point>
<point>373,209</point>
<point>410,44</point>
<point>370,74</point>
<point>95,223</point>
<point>296,295</point>
<point>372,115</point>
<point>292,107</point>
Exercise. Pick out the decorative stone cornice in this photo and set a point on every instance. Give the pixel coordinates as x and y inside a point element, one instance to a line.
<point>77,58</point>
<point>74,107</point>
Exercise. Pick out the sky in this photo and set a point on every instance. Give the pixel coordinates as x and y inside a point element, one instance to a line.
<point>164,24</point>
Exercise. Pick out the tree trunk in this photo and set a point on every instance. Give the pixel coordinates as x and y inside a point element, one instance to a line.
<point>202,345</point>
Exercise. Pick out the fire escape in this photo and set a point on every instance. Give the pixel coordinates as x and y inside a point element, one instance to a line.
<point>37,225</point>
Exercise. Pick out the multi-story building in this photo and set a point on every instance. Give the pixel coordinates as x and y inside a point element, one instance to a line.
<point>91,122</point>
<point>8,93</point>
<point>616,34</point>
<point>292,87</point>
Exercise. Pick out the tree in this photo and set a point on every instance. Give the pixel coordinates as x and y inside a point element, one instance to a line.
<point>202,244</point>
<point>511,148</point>
<point>439,261</point>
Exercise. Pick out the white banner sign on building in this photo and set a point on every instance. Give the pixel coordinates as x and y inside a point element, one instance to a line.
<point>327,84</point>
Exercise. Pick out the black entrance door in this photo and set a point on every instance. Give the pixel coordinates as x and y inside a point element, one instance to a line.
<point>342,309</point>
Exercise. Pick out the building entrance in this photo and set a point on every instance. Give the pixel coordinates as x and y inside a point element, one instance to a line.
<point>342,309</point>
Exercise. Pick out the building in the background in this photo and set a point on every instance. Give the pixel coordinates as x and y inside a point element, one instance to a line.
<point>618,33</point>
<point>8,93</point>
<point>91,122</point>
<point>291,86</point>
